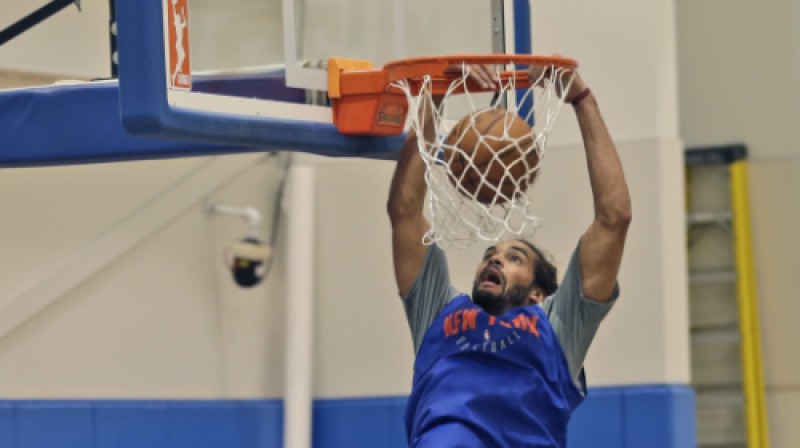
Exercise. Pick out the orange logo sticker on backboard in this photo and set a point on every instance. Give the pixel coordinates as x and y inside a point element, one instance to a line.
<point>180,74</point>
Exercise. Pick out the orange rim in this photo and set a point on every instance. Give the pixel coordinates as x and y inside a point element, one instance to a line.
<point>437,67</point>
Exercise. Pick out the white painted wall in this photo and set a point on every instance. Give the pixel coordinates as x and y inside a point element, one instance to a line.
<point>627,50</point>
<point>70,43</point>
<point>739,65</point>
<point>776,248</point>
<point>161,320</point>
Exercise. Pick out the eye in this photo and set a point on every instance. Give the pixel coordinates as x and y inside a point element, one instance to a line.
<point>516,259</point>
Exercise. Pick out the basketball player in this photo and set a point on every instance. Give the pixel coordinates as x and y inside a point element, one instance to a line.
<point>503,367</point>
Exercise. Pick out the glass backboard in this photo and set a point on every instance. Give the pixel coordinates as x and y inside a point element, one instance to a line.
<point>253,72</point>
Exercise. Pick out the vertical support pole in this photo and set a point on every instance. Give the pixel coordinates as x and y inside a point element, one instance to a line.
<point>499,37</point>
<point>299,308</point>
<point>522,45</point>
<point>498,27</point>
<point>522,27</point>
<point>749,327</point>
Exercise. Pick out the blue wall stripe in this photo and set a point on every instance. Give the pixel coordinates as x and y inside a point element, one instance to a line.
<point>131,424</point>
<point>42,425</point>
<point>361,422</point>
<point>661,416</point>
<point>7,425</point>
<point>586,428</point>
<point>234,425</point>
<point>655,416</point>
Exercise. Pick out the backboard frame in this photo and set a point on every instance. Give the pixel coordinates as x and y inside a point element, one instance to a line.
<point>150,108</point>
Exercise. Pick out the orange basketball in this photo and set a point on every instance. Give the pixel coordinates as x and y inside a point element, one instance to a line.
<point>489,153</point>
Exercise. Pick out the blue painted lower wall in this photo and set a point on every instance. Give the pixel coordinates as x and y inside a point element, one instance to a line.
<point>659,416</point>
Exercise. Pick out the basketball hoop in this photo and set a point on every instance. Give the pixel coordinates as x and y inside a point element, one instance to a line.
<point>476,190</point>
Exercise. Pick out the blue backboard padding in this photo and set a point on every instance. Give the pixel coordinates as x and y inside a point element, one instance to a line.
<point>75,124</point>
<point>656,416</point>
<point>80,123</point>
<point>360,422</point>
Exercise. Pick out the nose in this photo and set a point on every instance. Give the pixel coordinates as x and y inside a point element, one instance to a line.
<point>495,261</point>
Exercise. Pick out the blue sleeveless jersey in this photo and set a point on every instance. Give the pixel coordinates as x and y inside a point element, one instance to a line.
<point>485,381</point>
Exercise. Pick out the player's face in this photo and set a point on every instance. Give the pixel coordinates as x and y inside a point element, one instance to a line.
<point>505,277</point>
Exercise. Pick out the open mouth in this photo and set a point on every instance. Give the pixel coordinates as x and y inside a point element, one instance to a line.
<point>492,277</point>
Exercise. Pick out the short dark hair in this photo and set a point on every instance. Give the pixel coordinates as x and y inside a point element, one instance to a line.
<point>545,274</point>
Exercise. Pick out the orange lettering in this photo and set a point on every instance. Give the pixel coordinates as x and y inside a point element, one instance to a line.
<point>520,322</point>
<point>448,326</point>
<point>532,326</point>
<point>468,320</point>
<point>491,320</point>
<point>505,324</point>
<point>457,320</point>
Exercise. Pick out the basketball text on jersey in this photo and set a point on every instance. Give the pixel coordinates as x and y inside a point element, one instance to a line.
<point>465,321</point>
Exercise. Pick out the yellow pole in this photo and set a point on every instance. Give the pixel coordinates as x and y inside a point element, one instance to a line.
<point>749,328</point>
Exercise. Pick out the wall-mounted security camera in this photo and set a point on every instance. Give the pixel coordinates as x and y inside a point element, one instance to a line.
<point>248,261</point>
<point>248,258</point>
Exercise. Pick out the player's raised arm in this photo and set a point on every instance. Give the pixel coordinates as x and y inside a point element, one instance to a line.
<point>405,208</point>
<point>602,244</point>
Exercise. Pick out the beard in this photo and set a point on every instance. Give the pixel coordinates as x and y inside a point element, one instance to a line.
<point>497,304</point>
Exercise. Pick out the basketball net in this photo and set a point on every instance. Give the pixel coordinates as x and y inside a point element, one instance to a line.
<point>458,218</point>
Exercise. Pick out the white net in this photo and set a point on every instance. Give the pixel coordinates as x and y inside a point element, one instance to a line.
<point>478,172</point>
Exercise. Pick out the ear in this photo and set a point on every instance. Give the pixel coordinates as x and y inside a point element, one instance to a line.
<point>537,296</point>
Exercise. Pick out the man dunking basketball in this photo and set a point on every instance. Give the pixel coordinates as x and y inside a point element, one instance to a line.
<point>503,367</point>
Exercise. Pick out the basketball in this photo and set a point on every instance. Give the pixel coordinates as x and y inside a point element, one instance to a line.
<point>491,154</point>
